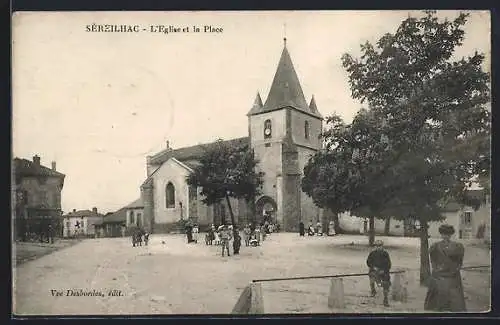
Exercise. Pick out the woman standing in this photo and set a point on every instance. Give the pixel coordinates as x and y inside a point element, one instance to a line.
<point>445,291</point>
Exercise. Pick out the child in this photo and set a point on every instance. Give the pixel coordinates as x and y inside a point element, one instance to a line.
<point>253,239</point>
<point>263,232</point>
<point>146,238</point>
<point>246,235</point>
<point>257,236</point>
<point>195,233</point>
<point>210,236</point>
<point>217,236</point>
<point>225,237</point>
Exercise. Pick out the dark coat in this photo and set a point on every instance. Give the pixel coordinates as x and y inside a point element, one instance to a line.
<point>380,259</point>
<point>379,264</point>
<point>445,290</point>
<point>301,229</point>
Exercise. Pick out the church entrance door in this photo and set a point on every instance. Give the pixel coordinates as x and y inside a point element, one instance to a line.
<point>265,208</point>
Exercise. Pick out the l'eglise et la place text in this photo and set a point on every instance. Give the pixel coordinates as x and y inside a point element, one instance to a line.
<point>86,293</point>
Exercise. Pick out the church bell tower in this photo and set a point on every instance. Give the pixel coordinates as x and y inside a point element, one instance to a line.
<point>284,131</point>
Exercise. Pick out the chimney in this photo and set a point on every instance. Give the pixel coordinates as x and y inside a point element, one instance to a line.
<point>54,166</point>
<point>74,210</point>
<point>94,210</point>
<point>168,144</point>
<point>36,160</point>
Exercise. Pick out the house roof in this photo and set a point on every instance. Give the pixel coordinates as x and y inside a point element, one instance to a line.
<point>119,216</point>
<point>26,168</point>
<point>285,90</point>
<point>136,204</point>
<point>83,213</point>
<point>192,152</point>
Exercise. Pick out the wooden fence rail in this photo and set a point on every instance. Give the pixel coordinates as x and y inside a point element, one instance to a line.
<point>251,300</point>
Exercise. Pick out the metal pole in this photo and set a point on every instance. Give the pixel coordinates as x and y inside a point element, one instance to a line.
<point>318,277</point>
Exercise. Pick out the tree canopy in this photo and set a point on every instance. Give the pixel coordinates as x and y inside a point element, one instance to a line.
<point>425,133</point>
<point>226,171</point>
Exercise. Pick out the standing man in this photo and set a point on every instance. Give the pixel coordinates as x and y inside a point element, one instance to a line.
<point>225,237</point>
<point>379,265</point>
<point>445,292</point>
<point>302,229</point>
<point>236,241</point>
<point>189,231</point>
<point>50,234</point>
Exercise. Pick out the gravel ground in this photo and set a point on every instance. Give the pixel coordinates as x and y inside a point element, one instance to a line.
<point>172,277</point>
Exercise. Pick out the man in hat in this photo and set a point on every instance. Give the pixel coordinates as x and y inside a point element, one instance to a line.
<point>445,290</point>
<point>379,265</point>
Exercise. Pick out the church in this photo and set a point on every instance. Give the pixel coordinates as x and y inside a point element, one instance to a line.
<point>284,131</point>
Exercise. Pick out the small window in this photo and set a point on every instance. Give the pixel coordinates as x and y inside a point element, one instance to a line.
<point>467,218</point>
<point>170,195</point>
<point>267,129</point>
<point>306,129</point>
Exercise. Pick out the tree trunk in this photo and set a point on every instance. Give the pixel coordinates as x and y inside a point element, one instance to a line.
<point>425,267</point>
<point>387,228</point>
<point>232,215</point>
<point>371,231</point>
<point>336,223</point>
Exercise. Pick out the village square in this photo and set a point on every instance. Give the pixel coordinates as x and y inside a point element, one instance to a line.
<point>307,213</point>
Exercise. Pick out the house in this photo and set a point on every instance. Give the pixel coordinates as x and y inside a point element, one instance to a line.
<point>113,224</point>
<point>283,132</point>
<point>120,223</point>
<point>36,198</point>
<point>469,222</point>
<point>81,223</point>
<point>134,213</point>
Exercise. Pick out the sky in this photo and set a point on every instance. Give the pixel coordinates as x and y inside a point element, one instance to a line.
<point>99,103</point>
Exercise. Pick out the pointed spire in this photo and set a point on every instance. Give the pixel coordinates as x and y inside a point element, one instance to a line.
<point>257,105</point>
<point>258,101</point>
<point>312,105</point>
<point>285,89</point>
<point>314,108</point>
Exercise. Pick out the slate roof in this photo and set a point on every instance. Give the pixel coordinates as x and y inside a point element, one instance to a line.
<point>285,90</point>
<point>191,153</point>
<point>119,216</point>
<point>27,168</point>
<point>136,204</point>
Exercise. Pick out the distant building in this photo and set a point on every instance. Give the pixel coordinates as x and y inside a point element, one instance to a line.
<point>113,224</point>
<point>135,214</point>
<point>81,223</point>
<point>36,192</point>
<point>469,222</point>
<point>121,222</point>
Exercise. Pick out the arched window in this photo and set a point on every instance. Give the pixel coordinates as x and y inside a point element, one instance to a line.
<point>132,219</point>
<point>170,195</point>
<point>267,129</point>
<point>306,129</point>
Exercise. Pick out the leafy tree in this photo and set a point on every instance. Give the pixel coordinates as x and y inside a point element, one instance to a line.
<point>433,108</point>
<point>351,174</point>
<point>226,171</point>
